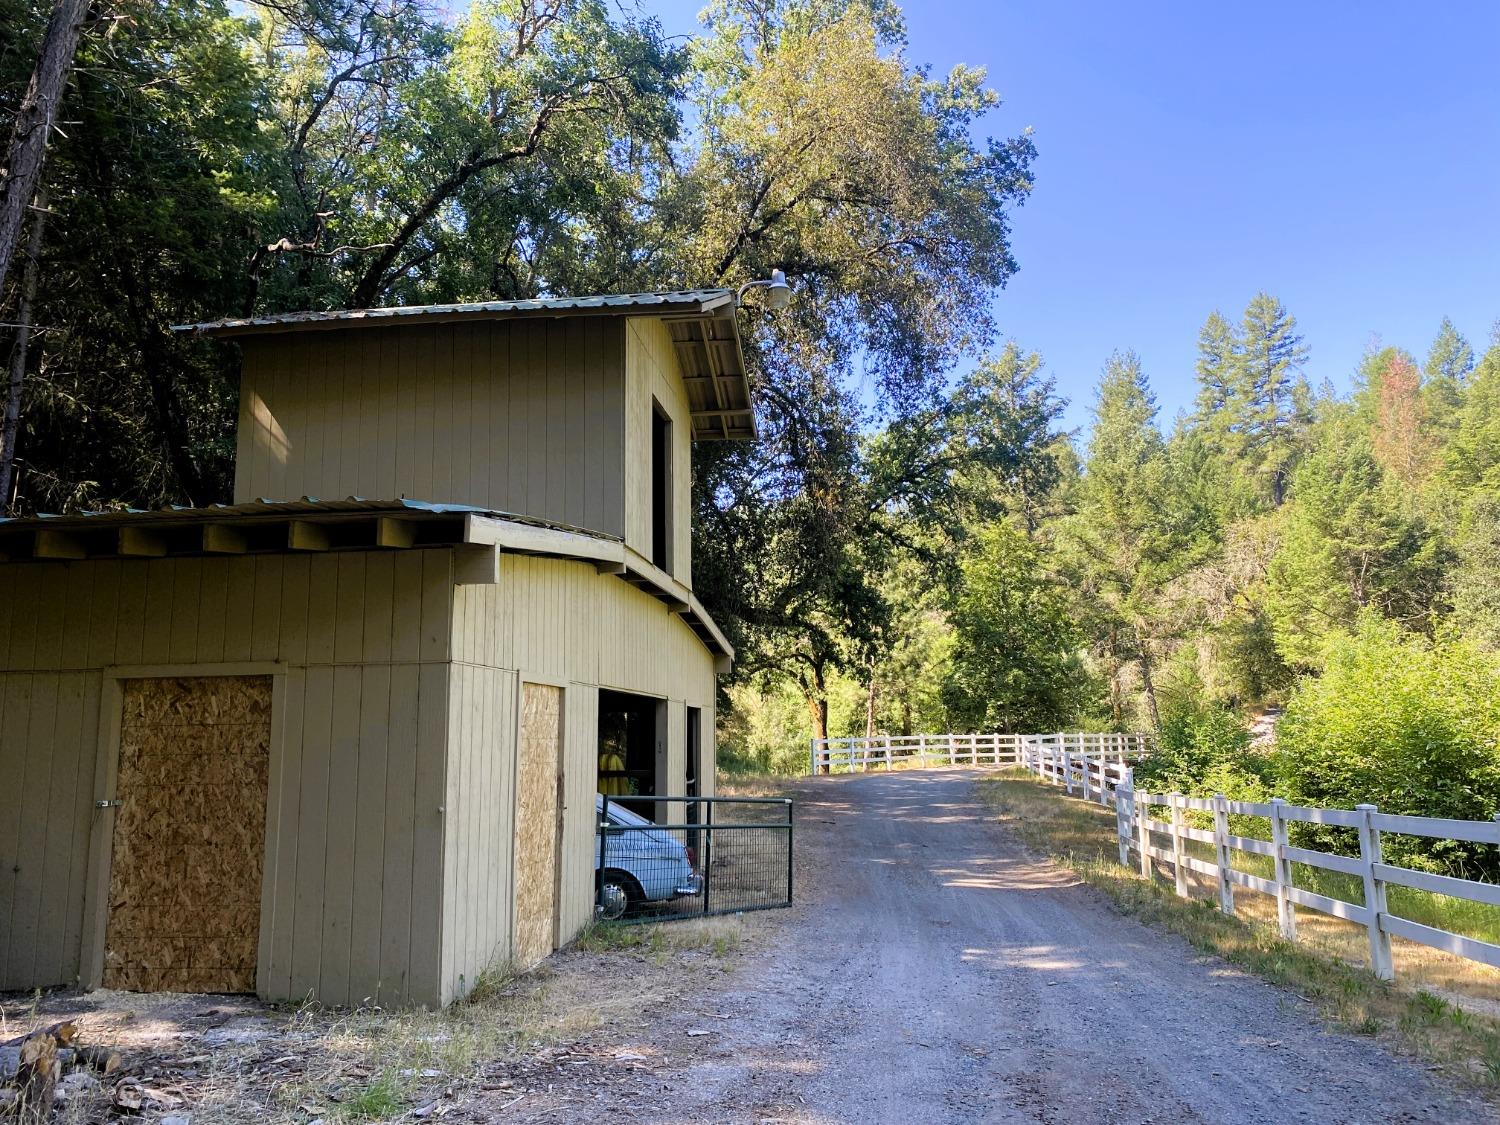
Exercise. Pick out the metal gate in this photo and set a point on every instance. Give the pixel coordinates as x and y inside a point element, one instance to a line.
<point>663,857</point>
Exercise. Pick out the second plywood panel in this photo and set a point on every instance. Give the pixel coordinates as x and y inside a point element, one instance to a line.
<point>539,779</point>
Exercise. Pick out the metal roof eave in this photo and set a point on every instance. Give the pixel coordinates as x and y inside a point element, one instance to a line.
<point>684,303</point>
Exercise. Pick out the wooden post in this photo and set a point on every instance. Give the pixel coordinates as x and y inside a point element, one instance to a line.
<point>1179,847</point>
<point>1369,855</point>
<point>1122,827</point>
<point>1143,828</point>
<point>1067,765</point>
<point>922,750</point>
<point>887,753</point>
<point>1286,914</point>
<point>1222,853</point>
<point>812,757</point>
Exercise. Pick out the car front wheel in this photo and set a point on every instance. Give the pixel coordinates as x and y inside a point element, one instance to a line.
<point>618,894</point>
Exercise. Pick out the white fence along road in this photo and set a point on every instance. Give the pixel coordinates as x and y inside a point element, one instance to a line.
<point>1108,783</point>
<point>888,751</point>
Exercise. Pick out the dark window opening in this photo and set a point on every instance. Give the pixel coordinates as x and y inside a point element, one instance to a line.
<point>694,751</point>
<point>661,488</point>
<point>630,758</point>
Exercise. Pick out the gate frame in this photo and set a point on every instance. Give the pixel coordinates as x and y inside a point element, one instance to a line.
<point>601,833</point>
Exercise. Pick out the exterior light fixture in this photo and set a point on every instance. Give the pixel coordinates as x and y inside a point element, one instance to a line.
<point>778,292</point>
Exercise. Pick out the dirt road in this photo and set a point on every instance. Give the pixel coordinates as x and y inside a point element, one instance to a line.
<point>934,971</point>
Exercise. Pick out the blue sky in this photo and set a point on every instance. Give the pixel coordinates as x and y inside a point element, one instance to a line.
<point>1343,156</point>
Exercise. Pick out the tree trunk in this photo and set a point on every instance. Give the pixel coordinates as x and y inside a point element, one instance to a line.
<point>28,138</point>
<point>1149,687</point>
<point>816,694</point>
<point>20,351</point>
<point>1116,694</point>
<point>870,696</point>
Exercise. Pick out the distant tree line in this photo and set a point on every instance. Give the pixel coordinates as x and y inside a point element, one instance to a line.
<point>1277,548</point>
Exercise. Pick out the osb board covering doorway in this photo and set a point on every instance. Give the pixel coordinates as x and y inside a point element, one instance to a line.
<point>538,784</point>
<point>189,834</point>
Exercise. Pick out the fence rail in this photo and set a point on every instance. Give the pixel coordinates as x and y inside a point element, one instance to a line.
<point>1139,830</point>
<point>900,751</point>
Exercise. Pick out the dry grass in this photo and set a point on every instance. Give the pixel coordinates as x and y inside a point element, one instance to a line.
<point>752,785</point>
<point>236,1061</point>
<point>1461,1037</point>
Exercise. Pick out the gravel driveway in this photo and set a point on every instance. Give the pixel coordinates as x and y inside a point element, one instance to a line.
<point>935,971</point>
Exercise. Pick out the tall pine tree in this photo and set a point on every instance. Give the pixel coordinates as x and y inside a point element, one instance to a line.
<point>1123,527</point>
<point>1450,361</point>
<point>1273,397</point>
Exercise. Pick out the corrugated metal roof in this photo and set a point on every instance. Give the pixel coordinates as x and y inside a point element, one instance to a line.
<point>307,505</point>
<point>687,301</point>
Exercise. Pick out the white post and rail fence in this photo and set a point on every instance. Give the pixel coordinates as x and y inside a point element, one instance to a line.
<point>1154,827</point>
<point>1098,768</point>
<point>1083,751</point>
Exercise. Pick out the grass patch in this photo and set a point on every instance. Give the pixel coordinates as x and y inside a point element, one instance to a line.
<point>719,936</point>
<point>1082,837</point>
<point>384,1097</point>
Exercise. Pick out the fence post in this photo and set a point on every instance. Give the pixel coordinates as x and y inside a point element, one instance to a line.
<point>887,753</point>
<point>950,748</point>
<point>1369,855</point>
<point>1067,765</point>
<point>1122,827</point>
<point>1222,854</point>
<point>1143,827</point>
<point>1179,847</point>
<point>708,845</point>
<point>1286,914</point>
<point>812,757</point>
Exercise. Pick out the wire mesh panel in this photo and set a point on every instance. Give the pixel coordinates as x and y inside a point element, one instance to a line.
<point>660,858</point>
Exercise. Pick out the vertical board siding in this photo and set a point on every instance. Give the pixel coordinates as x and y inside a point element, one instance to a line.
<point>524,416</point>
<point>652,373</point>
<point>352,901</point>
<point>561,622</point>
<point>393,785</point>
<point>480,825</point>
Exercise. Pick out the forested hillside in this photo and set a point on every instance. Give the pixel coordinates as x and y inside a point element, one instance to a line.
<point>1279,547</point>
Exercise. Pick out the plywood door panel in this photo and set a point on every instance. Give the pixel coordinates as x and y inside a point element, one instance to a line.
<point>189,837</point>
<point>538,776</point>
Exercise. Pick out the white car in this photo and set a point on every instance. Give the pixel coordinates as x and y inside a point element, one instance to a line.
<point>639,863</point>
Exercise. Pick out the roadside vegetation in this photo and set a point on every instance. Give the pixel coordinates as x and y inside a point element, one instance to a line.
<point>1444,1009</point>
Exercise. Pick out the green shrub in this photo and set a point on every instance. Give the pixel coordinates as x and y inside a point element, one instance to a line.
<point>1203,751</point>
<point>1405,723</point>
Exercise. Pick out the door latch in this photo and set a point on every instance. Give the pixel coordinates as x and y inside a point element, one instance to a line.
<point>108,804</point>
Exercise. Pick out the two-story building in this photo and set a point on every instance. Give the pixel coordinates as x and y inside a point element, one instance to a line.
<point>340,737</point>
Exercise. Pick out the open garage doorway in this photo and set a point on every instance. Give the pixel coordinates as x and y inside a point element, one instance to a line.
<point>632,747</point>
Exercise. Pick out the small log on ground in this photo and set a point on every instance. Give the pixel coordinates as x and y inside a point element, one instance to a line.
<point>37,1075</point>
